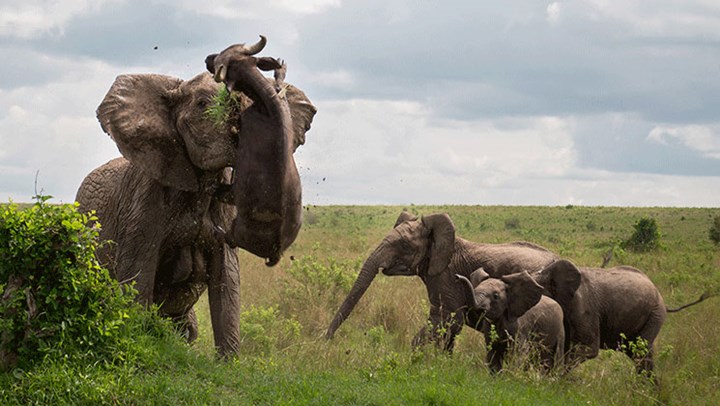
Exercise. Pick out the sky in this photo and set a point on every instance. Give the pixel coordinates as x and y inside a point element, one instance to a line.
<point>583,102</point>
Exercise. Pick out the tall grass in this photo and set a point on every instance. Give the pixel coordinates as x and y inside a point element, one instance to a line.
<point>286,309</point>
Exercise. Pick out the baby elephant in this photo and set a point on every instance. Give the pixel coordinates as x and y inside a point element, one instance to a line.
<point>515,306</point>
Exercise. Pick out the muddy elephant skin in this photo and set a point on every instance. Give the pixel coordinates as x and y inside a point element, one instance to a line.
<point>162,202</point>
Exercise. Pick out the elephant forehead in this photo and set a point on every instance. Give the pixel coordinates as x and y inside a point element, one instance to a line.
<point>491,285</point>
<point>203,81</point>
<point>410,234</point>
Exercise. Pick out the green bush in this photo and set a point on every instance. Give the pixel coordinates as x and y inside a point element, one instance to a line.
<point>55,299</point>
<point>512,223</point>
<point>715,230</point>
<point>646,236</point>
<point>263,329</point>
<point>310,275</point>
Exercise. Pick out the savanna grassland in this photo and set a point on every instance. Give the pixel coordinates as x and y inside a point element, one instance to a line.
<point>286,310</point>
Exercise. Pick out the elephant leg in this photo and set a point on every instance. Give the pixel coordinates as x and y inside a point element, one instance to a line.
<point>644,360</point>
<point>642,355</point>
<point>495,355</point>
<point>137,262</point>
<point>497,341</point>
<point>187,325</point>
<point>582,342</point>
<point>192,326</point>
<point>442,328</point>
<point>224,298</point>
<point>645,364</point>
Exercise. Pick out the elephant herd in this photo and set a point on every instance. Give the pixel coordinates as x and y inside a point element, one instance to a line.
<point>188,191</point>
<point>516,292</point>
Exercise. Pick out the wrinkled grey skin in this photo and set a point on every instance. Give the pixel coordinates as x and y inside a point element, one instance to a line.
<point>601,304</point>
<point>515,308</point>
<point>428,248</point>
<point>268,194</point>
<point>160,203</point>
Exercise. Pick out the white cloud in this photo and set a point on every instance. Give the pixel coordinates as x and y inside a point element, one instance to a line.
<point>51,128</point>
<point>701,138</point>
<point>339,79</point>
<point>547,103</point>
<point>31,18</point>
<point>408,158</point>
<point>233,9</point>
<point>554,12</point>
<point>657,18</point>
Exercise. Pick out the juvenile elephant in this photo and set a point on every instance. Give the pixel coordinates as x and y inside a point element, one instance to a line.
<point>162,201</point>
<point>515,308</point>
<point>607,309</point>
<point>428,248</point>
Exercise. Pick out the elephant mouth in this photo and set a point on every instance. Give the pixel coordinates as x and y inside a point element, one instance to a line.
<point>398,269</point>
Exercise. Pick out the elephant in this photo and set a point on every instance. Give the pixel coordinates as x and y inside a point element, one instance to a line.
<point>161,203</point>
<point>512,308</point>
<point>607,308</point>
<point>427,247</point>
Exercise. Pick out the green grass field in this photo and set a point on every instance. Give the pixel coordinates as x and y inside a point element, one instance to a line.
<point>286,309</point>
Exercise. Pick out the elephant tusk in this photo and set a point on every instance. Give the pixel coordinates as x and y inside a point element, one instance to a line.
<point>381,269</point>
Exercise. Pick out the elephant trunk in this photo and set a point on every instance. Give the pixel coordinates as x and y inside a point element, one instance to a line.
<point>266,190</point>
<point>468,291</point>
<point>370,268</point>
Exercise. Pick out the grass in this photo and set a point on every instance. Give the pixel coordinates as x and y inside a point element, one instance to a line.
<point>287,308</point>
<point>225,106</point>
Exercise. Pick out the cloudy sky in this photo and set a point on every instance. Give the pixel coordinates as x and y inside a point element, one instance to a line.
<point>587,102</point>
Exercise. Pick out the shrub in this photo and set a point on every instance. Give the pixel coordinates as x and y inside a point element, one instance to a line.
<point>512,223</point>
<point>312,276</point>
<point>54,296</point>
<point>314,288</point>
<point>715,230</point>
<point>646,236</point>
<point>262,329</point>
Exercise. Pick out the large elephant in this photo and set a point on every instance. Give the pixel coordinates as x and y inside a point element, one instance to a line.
<point>427,247</point>
<point>514,312</point>
<point>607,309</point>
<point>162,202</point>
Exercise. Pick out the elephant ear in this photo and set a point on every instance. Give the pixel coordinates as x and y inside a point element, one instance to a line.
<point>442,235</point>
<point>560,279</point>
<point>137,114</point>
<point>302,112</point>
<point>478,276</point>
<point>403,217</point>
<point>522,293</point>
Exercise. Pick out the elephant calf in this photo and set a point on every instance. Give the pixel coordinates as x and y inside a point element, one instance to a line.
<point>518,311</point>
<point>607,309</point>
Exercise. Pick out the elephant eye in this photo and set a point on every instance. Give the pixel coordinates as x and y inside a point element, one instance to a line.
<point>202,103</point>
<point>496,296</point>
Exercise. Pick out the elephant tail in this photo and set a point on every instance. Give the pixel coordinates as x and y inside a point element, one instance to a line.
<point>702,297</point>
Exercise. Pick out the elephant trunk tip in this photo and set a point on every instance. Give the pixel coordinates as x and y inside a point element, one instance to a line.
<point>272,261</point>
